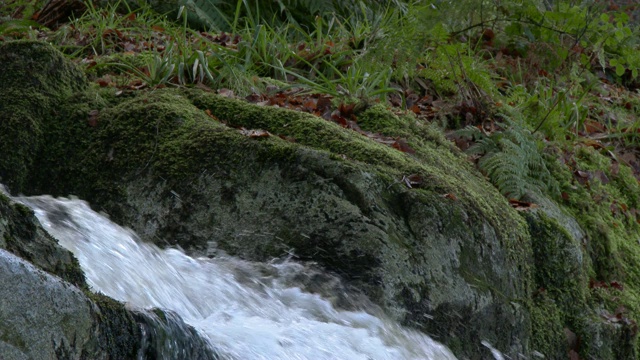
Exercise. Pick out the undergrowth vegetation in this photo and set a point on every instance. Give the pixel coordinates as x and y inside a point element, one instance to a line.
<point>524,87</point>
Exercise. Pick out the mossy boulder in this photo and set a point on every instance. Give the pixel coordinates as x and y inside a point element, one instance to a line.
<point>448,255</point>
<point>421,232</point>
<point>579,304</point>
<point>605,204</point>
<point>34,79</point>
<point>323,194</point>
<point>47,309</point>
<point>181,168</point>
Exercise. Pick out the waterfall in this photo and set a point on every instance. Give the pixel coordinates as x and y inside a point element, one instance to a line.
<point>245,310</point>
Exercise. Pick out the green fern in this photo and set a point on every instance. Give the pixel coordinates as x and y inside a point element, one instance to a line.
<point>450,65</point>
<point>511,159</point>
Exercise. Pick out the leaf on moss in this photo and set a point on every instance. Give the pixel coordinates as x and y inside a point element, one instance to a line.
<point>252,133</point>
<point>522,205</point>
<point>450,196</point>
<point>92,120</point>
<point>413,181</point>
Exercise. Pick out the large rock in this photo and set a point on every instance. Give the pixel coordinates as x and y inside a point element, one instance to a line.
<point>34,79</point>
<point>447,255</point>
<point>43,317</point>
<point>28,333</point>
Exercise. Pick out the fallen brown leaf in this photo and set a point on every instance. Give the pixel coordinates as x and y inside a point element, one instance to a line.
<point>522,205</point>
<point>92,120</point>
<point>254,133</point>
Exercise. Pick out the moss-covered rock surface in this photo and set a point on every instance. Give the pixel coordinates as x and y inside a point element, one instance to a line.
<point>421,232</point>
<point>34,79</point>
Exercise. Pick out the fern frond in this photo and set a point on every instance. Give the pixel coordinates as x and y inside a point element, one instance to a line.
<point>470,132</point>
<point>511,159</point>
<point>485,145</point>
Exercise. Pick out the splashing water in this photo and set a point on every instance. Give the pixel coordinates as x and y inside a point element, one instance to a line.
<point>245,310</point>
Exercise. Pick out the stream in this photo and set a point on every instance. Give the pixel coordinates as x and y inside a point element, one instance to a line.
<point>245,310</point>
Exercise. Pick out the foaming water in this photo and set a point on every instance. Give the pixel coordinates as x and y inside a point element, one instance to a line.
<point>245,310</point>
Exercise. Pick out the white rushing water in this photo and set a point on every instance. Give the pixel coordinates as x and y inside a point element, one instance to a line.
<point>246,310</point>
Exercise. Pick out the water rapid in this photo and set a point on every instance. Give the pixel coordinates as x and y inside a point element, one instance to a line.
<point>245,310</point>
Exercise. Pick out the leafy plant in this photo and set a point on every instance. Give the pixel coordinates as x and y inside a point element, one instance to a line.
<point>583,31</point>
<point>511,158</point>
<point>192,64</point>
<point>207,14</point>
<point>450,65</point>
<point>159,69</point>
<point>102,25</point>
<point>354,84</point>
<point>18,26</point>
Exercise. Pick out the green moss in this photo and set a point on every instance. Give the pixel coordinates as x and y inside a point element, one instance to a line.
<point>558,260</point>
<point>144,124</point>
<point>34,79</point>
<point>602,202</point>
<point>117,333</point>
<point>378,119</point>
<point>208,143</point>
<point>117,63</point>
<point>613,323</point>
<point>163,132</point>
<point>561,280</point>
<point>66,144</point>
<point>180,137</point>
<point>125,140</point>
<point>422,136</point>
<point>443,171</point>
<point>605,210</point>
<point>547,324</point>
